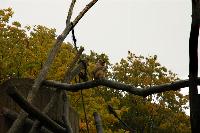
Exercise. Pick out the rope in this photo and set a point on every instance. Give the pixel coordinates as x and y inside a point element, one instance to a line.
<point>84,112</point>
<point>85,74</point>
<point>74,38</point>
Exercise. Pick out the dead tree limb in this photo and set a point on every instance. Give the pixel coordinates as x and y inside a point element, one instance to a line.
<point>70,11</point>
<point>194,98</point>
<point>37,124</point>
<point>42,75</point>
<point>68,74</point>
<point>12,115</point>
<point>68,77</point>
<point>33,111</point>
<point>113,112</point>
<point>193,71</point>
<point>176,85</point>
<point>82,13</point>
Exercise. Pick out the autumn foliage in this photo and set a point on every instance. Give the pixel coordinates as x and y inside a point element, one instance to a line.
<point>23,51</point>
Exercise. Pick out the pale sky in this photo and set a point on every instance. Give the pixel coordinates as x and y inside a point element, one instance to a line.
<point>145,27</point>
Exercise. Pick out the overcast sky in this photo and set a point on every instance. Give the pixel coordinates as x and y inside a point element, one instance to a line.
<point>145,27</point>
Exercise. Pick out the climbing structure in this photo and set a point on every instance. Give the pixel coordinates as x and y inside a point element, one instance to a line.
<point>42,119</point>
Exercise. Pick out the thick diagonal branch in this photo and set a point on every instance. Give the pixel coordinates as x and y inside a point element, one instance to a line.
<point>69,75</point>
<point>12,115</point>
<point>82,13</point>
<point>70,11</point>
<point>31,96</point>
<point>119,86</point>
<point>33,111</point>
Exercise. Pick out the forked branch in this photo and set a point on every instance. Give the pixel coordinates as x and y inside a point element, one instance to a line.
<point>43,73</point>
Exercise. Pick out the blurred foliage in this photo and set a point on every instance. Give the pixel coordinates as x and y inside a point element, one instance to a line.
<point>23,51</point>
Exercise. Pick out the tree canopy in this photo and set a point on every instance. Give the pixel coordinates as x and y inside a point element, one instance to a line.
<point>23,51</point>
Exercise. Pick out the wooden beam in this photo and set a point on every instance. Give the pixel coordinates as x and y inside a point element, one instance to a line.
<point>193,68</point>
<point>12,115</point>
<point>33,111</point>
<point>70,74</point>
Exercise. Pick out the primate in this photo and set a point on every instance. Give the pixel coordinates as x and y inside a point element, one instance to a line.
<point>99,70</point>
<point>83,74</point>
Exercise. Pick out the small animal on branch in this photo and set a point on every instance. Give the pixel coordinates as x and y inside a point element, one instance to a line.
<point>100,69</point>
<point>83,74</point>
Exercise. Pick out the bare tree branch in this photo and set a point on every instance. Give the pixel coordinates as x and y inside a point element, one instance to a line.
<point>37,124</point>
<point>12,115</point>
<point>42,75</point>
<point>82,13</point>
<point>68,77</point>
<point>70,11</point>
<point>119,86</point>
<point>113,112</point>
<point>33,111</point>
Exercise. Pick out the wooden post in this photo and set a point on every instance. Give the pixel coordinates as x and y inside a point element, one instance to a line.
<point>33,111</point>
<point>193,68</point>
<point>10,115</point>
<point>98,123</point>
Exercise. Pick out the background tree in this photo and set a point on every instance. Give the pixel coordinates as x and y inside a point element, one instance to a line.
<point>24,49</point>
<point>153,113</point>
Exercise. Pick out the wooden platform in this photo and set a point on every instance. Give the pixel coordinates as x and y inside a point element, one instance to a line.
<point>44,95</point>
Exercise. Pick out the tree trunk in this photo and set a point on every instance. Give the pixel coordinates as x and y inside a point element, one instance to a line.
<point>193,68</point>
